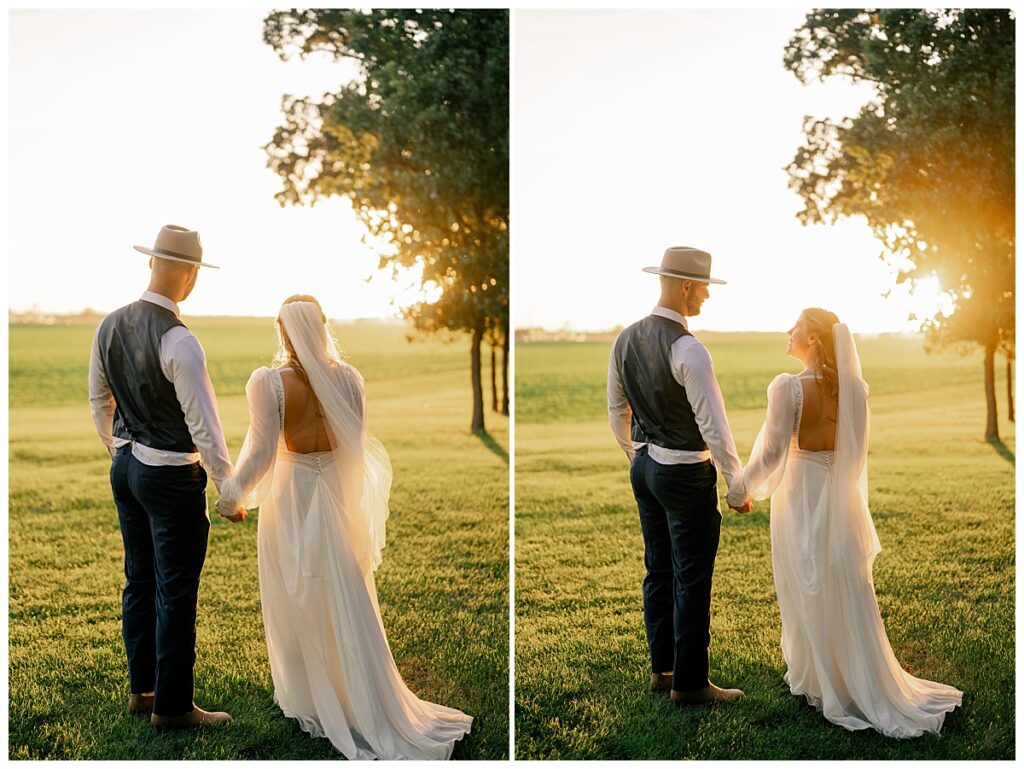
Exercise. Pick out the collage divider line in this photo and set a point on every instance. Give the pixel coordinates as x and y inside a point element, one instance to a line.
<point>511,401</point>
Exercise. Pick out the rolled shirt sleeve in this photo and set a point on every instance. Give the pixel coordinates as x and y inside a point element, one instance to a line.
<point>693,368</point>
<point>184,364</point>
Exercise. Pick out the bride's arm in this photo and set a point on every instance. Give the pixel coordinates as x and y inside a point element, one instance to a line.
<point>250,483</point>
<point>767,461</point>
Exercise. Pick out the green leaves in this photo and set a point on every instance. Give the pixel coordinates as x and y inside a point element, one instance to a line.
<point>419,145</point>
<point>929,162</point>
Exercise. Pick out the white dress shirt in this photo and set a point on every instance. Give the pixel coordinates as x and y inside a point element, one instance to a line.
<point>183,362</point>
<point>692,368</point>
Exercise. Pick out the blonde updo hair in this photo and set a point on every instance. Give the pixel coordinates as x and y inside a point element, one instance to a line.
<point>819,324</point>
<point>286,355</point>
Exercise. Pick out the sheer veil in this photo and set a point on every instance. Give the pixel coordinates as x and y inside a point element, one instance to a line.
<point>852,531</point>
<point>361,462</point>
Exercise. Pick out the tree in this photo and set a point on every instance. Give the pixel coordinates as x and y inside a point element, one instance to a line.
<point>418,144</point>
<point>497,337</point>
<point>928,161</point>
<point>494,376</point>
<point>504,368</point>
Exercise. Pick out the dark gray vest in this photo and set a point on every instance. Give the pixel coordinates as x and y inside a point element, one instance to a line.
<point>148,410</point>
<point>661,411</point>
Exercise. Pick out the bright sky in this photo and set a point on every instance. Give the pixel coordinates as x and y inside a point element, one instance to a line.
<point>123,121</point>
<point>638,130</point>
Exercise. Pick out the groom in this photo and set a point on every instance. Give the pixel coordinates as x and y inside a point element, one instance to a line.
<point>667,413</point>
<point>154,409</point>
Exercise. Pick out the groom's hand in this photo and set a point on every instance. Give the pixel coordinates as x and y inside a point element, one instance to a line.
<point>744,508</point>
<point>238,515</point>
<point>235,515</point>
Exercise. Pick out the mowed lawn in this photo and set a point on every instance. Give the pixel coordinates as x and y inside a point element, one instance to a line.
<point>443,585</point>
<point>943,503</point>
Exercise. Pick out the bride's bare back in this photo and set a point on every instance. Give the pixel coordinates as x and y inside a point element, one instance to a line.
<point>818,419</point>
<point>305,431</point>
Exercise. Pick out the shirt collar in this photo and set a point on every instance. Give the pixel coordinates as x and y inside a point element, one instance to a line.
<point>665,312</point>
<point>161,301</point>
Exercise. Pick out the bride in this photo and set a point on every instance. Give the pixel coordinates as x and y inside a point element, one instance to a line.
<point>811,457</point>
<point>322,482</point>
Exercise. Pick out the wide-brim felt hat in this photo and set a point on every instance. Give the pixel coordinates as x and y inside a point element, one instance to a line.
<point>686,263</point>
<point>177,244</point>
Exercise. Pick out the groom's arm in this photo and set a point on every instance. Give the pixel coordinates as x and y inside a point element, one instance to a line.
<point>694,370</point>
<point>619,412</point>
<point>101,400</point>
<point>184,364</point>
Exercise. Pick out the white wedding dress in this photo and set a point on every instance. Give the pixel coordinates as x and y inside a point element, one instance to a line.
<point>319,539</point>
<point>823,546</point>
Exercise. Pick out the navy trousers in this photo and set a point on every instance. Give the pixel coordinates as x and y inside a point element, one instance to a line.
<point>681,523</point>
<point>165,527</point>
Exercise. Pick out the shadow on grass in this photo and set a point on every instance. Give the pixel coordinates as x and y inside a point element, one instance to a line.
<point>1002,451</point>
<point>493,445</point>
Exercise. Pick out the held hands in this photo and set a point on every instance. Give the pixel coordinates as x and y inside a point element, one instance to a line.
<point>744,508</point>
<point>233,512</point>
<point>239,515</point>
<point>738,491</point>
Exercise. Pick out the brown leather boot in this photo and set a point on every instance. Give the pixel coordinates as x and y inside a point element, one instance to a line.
<point>706,696</point>
<point>140,704</point>
<point>194,719</point>
<point>660,682</point>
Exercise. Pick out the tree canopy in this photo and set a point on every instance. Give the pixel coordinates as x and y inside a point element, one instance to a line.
<point>418,144</point>
<point>928,161</point>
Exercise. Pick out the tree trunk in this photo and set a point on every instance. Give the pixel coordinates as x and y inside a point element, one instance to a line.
<point>1009,387</point>
<point>504,374</point>
<point>477,425</point>
<point>494,379</point>
<point>992,418</point>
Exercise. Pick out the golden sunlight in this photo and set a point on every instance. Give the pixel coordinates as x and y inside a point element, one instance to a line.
<point>923,300</point>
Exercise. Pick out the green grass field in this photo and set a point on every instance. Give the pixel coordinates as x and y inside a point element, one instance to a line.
<point>943,503</point>
<point>443,585</point>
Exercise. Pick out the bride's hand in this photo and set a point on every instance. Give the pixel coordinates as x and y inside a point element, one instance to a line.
<point>239,515</point>
<point>745,508</point>
<point>233,512</point>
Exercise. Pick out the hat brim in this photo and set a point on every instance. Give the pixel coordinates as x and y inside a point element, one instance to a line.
<point>683,275</point>
<point>158,255</point>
